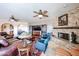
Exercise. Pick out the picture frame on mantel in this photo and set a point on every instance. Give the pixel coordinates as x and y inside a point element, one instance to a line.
<point>63,20</point>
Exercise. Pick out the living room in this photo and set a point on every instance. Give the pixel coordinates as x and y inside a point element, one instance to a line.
<point>37,29</point>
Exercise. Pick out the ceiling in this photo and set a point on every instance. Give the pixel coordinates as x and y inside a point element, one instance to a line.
<point>24,11</point>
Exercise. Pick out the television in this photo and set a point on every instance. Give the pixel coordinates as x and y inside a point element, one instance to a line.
<point>37,28</point>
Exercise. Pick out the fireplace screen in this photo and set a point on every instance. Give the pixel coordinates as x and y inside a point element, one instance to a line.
<point>63,35</point>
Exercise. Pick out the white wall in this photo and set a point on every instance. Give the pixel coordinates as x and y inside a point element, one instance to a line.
<point>44,21</point>
<point>15,24</point>
<point>49,28</point>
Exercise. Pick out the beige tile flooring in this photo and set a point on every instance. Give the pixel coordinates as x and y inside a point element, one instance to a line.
<point>55,42</point>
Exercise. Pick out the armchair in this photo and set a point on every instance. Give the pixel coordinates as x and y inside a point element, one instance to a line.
<point>42,43</point>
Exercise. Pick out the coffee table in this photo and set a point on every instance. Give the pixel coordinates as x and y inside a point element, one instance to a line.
<point>24,51</point>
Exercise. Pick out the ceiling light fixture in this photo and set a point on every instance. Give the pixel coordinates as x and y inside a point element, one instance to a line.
<point>12,20</point>
<point>40,16</point>
<point>41,13</point>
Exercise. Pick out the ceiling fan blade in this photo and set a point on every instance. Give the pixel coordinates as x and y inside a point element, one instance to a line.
<point>35,16</point>
<point>45,12</point>
<point>45,15</point>
<point>35,12</point>
<point>16,19</point>
<point>12,17</point>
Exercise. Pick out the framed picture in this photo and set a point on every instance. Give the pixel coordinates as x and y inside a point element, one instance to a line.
<point>63,20</point>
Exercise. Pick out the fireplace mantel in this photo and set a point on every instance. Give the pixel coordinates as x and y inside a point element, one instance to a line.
<point>72,27</point>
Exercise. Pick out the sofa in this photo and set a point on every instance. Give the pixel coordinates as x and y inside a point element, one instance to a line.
<point>6,49</point>
<point>42,42</point>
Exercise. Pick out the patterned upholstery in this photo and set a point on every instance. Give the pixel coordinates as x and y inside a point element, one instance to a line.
<point>4,43</point>
<point>6,49</point>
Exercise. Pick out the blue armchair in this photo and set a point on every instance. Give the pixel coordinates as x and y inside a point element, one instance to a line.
<point>42,43</point>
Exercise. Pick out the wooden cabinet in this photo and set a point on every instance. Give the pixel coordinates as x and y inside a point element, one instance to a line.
<point>36,34</point>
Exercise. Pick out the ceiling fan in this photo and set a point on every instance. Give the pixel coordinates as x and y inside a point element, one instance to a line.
<point>12,18</point>
<point>41,14</point>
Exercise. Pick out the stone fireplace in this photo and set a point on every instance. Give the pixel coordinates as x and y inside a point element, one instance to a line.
<point>64,35</point>
<point>72,37</point>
